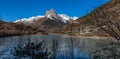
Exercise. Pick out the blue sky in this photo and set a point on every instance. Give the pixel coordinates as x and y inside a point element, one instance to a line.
<point>11,10</point>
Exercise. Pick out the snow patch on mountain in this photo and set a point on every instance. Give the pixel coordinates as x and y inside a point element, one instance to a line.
<point>30,19</point>
<point>74,18</point>
<point>65,17</point>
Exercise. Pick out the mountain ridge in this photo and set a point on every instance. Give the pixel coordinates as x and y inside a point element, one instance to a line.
<point>50,14</point>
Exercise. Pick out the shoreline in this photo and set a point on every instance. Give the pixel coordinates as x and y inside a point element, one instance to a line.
<point>64,35</point>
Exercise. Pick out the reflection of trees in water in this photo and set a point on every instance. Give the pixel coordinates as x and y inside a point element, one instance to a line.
<point>72,44</point>
<point>35,51</point>
<point>106,50</point>
<point>32,50</point>
<point>41,50</point>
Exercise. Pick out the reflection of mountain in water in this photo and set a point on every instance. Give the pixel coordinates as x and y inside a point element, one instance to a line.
<point>79,47</point>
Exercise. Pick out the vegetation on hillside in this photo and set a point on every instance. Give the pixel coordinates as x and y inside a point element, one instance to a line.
<point>14,29</point>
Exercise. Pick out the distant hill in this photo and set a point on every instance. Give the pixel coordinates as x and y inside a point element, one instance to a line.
<point>14,29</point>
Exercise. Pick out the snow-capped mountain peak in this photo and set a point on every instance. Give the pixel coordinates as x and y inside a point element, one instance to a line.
<point>49,14</point>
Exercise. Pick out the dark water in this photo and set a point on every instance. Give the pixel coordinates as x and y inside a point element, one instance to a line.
<point>68,47</point>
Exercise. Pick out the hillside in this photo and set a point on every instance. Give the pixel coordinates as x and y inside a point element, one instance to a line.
<point>111,9</point>
<point>14,29</point>
<point>87,24</point>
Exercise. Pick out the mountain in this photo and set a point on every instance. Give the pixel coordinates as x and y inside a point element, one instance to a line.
<point>87,24</point>
<point>49,14</point>
<point>50,23</point>
<point>44,24</point>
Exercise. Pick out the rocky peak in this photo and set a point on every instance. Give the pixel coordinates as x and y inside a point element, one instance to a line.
<point>51,14</point>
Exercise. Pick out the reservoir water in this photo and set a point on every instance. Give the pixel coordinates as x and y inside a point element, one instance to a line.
<point>65,47</point>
